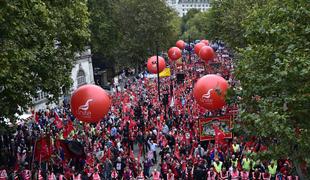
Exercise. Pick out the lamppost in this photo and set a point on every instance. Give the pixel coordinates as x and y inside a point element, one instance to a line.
<point>157,65</point>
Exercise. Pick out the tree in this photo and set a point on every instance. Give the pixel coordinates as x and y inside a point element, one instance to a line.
<point>197,26</point>
<point>103,27</point>
<point>143,24</point>
<point>38,40</point>
<point>225,17</point>
<point>189,15</point>
<point>274,71</point>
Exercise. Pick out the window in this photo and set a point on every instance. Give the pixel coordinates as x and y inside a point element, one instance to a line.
<point>40,96</point>
<point>81,79</point>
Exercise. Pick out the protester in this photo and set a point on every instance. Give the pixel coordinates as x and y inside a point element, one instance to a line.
<point>139,138</point>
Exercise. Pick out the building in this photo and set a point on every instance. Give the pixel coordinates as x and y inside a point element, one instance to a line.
<point>183,6</point>
<point>81,73</point>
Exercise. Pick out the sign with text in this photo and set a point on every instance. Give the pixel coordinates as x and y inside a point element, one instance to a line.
<point>206,127</point>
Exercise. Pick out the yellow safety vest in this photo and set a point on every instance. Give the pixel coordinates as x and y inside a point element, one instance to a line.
<point>235,147</point>
<point>272,171</point>
<point>218,167</point>
<point>235,162</point>
<point>246,164</point>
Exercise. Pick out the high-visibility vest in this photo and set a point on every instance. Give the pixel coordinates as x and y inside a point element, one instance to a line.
<point>246,164</point>
<point>234,162</point>
<point>96,176</point>
<point>272,170</point>
<point>3,175</point>
<point>156,176</point>
<point>218,167</point>
<point>236,147</point>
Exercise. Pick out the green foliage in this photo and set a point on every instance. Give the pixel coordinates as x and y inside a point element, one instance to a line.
<point>185,27</point>
<point>225,17</point>
<point>274,71</point>
<point>103,27</point>
<point>29,57</point>
<point>127,31</point>
<point>197,26</point>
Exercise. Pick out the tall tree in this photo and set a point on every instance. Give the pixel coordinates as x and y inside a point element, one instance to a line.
<point>143,24</point>
<point>225,19</point>
<point>38,39</point>
<point>274,71</point>
<point>103,27</point>
<point>197,26</point>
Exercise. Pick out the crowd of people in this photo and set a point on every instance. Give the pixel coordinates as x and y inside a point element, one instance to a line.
<point>142,137</point>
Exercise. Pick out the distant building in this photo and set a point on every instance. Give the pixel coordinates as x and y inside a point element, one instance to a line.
<point>183,6</point>
<point>81,73</point>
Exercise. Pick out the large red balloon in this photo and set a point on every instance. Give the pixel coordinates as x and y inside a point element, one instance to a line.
<point>206,53</point>
<point>90,103</point>
<point>198,47</point>
<point>210,91</point>
<point>152,64</point>
<point>174,53</point>
<point>180,44</point>
<point>206,42</point>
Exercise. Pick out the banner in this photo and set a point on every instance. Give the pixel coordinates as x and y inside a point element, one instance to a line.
<point>165,73</point>
<point>206,127</point>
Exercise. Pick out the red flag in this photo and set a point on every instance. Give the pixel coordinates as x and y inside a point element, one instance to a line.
<point>68,129</point>
<point>177,152</point>
<point>43,149</point>
<point>132,124</point>
<point>219,134</point>
<point>58,121</point>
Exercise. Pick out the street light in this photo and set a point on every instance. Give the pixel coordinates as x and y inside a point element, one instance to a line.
<point>157,65</point>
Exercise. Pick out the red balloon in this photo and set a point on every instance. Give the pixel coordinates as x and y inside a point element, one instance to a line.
<point>198,46</point>
<point>180,44</point>
<point>206,53</point>
<point>174,53</point>
<point>206,42</point>
<point>152,64</point>
<point>210,91</point>
<point>90,103</point>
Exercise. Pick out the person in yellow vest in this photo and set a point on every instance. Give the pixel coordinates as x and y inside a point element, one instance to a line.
<point>236,147</point>
<point>218,165</point>
<point>246,163</point>
<point>234,161</point>
<point>272,169</point>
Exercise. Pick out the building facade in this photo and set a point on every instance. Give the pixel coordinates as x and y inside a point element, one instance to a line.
<point>81,73</point>
<point>183,6</point>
